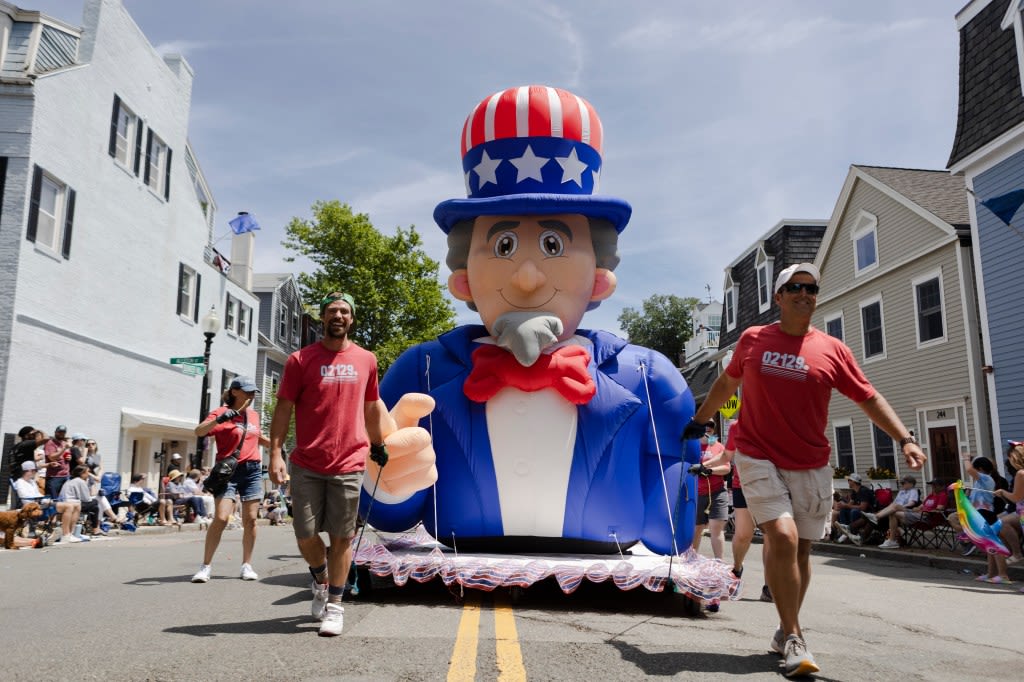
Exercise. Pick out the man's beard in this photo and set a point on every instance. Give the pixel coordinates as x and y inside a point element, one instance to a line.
<point>336,332</point>
<point>527,334</point>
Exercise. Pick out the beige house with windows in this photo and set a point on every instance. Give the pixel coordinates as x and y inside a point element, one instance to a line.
<point>898,288</point>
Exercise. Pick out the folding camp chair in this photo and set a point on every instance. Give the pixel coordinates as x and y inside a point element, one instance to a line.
<point>931,531</point>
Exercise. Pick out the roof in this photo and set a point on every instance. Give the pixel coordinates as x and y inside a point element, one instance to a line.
<point>990,100</point>
<point>701,376</point>
<point>937,191</point>
<point>263,281</point>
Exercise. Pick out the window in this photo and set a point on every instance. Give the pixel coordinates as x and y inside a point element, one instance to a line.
<point>885,449</point>
<point>714,322</point>
<point>282,325</point>
<point>231,314</point>
<point>188,292</point>
<point>844,445</point>
<point>764,281</point>
<point>834,326</point>
<point>158,166</point>
<point>125,136</point>
<point>51,213</point>
<point>244,321</point>
<point>732,293</point>
<point>865,247</point>
<point>871,321</point>
<point>295,326</point>
<point>928,300</point>
<point>225,379</point>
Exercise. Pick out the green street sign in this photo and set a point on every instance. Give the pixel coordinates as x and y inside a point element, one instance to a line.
<point>194,360</point>
<point>193,370</point>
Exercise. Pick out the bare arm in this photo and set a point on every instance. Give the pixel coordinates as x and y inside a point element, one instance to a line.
<point>879,411</point>
<point>373,413</point>
<point>278,431</point>
<point>724,388</point>
<point>1018,489</point>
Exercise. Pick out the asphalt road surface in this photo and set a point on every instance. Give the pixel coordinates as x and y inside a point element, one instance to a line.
<point>123,609</point>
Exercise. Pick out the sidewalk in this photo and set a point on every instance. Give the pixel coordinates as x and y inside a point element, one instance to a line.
<point>935,558</point>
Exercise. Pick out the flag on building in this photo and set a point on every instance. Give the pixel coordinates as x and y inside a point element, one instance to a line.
<point>243,223</point>
<point>1005,206</point>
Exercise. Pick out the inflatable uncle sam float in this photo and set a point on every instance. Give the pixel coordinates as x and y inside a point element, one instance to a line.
<point>558,449</point>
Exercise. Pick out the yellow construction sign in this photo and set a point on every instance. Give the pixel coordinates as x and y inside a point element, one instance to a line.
<point>731,407</point>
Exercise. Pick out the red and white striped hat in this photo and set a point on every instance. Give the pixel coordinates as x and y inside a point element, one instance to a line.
<point>532,150</point>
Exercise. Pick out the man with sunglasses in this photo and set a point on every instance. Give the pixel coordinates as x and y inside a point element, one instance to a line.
<point>788,370</point>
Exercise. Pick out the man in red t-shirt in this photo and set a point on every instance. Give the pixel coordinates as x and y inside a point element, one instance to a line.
<point>331,386</point>
<point>788,371</point>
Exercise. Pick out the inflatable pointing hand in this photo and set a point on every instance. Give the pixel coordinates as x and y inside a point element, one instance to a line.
<point>410,451</point>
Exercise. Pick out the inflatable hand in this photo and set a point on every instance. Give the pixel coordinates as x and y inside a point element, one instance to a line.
<point>410,464</point>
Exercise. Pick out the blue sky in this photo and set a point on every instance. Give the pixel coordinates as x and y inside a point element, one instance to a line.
<point>721,118</point>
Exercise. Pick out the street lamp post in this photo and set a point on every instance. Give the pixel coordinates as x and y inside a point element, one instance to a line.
<point>211,325</point>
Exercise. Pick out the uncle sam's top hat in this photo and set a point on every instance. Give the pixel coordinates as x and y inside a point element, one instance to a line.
<point>532,150</point>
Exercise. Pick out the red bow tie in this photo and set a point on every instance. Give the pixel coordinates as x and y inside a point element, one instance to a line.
<point>564,370</point>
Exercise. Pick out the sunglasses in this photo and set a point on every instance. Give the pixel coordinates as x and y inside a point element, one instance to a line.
<point>794,287</point>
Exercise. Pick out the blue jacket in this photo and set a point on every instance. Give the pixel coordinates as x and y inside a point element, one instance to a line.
<point>615,495</point>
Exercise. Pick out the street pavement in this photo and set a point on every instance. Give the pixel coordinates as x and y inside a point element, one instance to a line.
<point>122,608</point>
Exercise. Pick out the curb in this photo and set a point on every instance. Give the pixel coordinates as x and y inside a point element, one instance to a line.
<point>973,564</point>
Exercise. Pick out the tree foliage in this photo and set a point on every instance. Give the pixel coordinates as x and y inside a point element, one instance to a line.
<point>399,298</point>
<point>664,324</point>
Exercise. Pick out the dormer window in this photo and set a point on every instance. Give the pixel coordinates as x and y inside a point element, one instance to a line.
<point>764,280</point>
<point>865,243</point>
<point>731,296</point>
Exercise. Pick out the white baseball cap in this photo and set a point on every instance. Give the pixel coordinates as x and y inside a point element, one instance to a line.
<point>787,273</point>
<point>28,466</point>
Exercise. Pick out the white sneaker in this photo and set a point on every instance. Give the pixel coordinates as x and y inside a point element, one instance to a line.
<point>247,573</point>
<point>334,620</point>
<point>71,538</point>
<point>202,575</point>
<point>779,643</point>
<point>319,600</point>
<point>841,539</point>
<point>797,659</point>
<point>871,517</point>
<point>889,544</point>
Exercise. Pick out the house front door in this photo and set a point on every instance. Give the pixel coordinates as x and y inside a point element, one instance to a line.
<point>942,444</point>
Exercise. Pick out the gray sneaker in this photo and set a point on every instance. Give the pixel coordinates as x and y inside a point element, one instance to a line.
<point>797,660</point>
<point>779,642</point>
<point>319,600</point>
<point>871,517</point>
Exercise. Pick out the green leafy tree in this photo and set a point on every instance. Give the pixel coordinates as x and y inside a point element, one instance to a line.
<point>399,298</point>
<point>269,405</point>
<point>664,324</point>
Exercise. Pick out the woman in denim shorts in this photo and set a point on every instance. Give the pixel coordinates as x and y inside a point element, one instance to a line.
<point>236,428</point>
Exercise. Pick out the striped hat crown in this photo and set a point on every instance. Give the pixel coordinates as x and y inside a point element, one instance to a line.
<point>532,150</point>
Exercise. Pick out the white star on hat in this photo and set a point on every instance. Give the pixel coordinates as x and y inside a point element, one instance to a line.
<point>528,165</point>
<point>486,170</point>
<point>572,168</point>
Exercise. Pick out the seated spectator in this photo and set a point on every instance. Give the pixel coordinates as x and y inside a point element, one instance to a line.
<point>25,449</point>
<point>175,495</point>
<point>273,507</point>
<point>979,469</point>
<point>1010,532</point>
<point>147,498</point>
<point>907,498</point>
<point>69,510</point>
<point>846,514</point>
<point>95,507</point>
<point>194,488</point>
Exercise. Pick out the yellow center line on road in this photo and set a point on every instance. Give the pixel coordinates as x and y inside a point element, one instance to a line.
<point>510,656</point>
<point>462,667</point>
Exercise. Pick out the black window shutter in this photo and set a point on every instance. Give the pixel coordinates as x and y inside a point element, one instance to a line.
<point>138,145</point>
<point>69,218</point>
<point>249,326</point>
<point>195,313</point>
<point>167,177</point>
<point>181,280</point>
<point>112,147</point>
<point>149,150</point>
<point>3,182</point>
<point>33,209</point>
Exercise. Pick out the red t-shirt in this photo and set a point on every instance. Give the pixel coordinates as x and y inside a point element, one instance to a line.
<point>935,501</point>
<point>245,426</point>
<point>787,385</point>
<point>709,484</point>
<point>330,390</point>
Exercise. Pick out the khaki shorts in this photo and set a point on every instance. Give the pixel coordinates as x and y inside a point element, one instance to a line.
<point>324,503</point>
<point>805,495</point>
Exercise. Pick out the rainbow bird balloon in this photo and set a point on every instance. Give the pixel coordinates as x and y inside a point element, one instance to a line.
<point>979,531</point>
